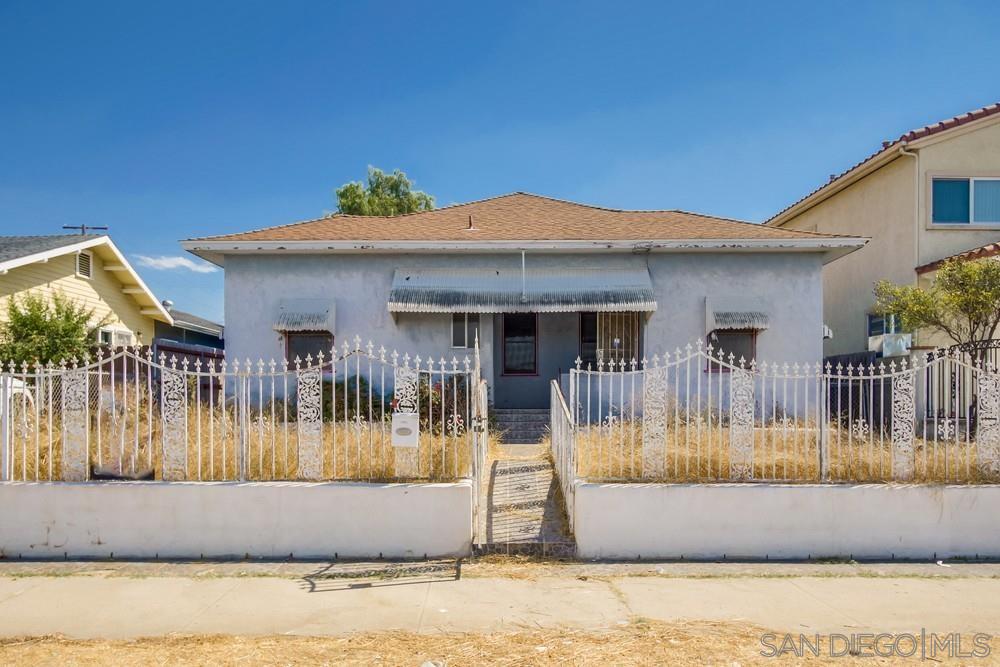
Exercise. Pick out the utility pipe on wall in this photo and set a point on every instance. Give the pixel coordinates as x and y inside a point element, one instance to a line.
<point>524,294</point>
<point>916,201</point>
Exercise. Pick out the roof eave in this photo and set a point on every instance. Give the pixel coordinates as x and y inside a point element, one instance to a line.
<point>860,171</point>
<point>878,160</point>
<point>88,244</point>
<point>215,251</point>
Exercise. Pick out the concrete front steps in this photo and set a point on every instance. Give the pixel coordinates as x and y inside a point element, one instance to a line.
<point>521,425</point>
<point>522,512</point>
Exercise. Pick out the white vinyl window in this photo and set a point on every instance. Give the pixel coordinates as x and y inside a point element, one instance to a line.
<point>968,201</point>
<point>464,328</point>
<point>84,265</point>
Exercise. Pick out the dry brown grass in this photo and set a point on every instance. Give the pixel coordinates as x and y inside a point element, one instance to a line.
<point>351,451</point>
<point>638,643</point>
<point>694,454</point>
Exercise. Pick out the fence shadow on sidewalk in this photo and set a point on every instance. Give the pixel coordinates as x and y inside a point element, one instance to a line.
<point>332,577</point>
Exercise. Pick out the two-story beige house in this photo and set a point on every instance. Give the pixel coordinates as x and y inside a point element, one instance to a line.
<point>932,193</point>
<point>89,270</point>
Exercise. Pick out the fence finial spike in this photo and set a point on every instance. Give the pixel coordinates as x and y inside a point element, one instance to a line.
<point>656,359</point>
<point>578,362</point>
<point>184,363</point>
<point>309,360</point>
<point>381,353</point>
<point>197,365</point>
<point>298,362</point>
<point>357,343</point>
<point>634,363</point>
<point>284,364</point>
<point>467,362</point>
<point>271,365</point>
<point>319,358</point>
<point>370,347</point>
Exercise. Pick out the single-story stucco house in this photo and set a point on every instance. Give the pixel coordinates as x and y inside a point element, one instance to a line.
<point>540,281</point>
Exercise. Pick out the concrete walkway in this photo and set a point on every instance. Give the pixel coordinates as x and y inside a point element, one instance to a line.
<point>523,511</point>
<point>437,598</point>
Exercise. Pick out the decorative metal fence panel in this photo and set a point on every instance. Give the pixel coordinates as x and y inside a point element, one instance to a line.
<point>127,415</point>
<point>701,415</point>
<point>561,441</point>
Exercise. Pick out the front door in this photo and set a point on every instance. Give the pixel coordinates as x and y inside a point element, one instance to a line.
<point>530,350</point>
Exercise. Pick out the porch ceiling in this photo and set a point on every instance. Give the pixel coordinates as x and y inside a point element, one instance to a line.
<point>534,290</point>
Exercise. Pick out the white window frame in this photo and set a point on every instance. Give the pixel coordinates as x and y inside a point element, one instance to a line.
<point>971,224</point>
<point>469,344</point>
<point>116,331</point>
<point>76,266</point>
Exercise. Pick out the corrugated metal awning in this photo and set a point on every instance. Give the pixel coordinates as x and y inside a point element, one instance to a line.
<point>501,290</point>
<point>734,313</point>
<point>305,315</point>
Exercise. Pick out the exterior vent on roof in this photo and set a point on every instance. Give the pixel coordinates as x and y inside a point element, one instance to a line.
<point>83,264</point>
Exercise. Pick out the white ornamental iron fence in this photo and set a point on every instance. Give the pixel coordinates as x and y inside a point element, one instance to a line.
<point>355,413</point>
<point>700,415</point>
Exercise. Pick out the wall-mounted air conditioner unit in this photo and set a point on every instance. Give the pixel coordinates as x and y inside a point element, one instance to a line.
<point>891,345</point>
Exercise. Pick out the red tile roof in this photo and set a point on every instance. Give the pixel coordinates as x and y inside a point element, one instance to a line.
<point>912,135</point>
<point>988,250</point>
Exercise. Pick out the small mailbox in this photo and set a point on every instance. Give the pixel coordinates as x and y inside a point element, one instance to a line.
<point>405,429</point>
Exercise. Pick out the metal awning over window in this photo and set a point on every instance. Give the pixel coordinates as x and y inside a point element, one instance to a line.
<point>305,315</point>
<point>511,291</point>
<point>735,314</point>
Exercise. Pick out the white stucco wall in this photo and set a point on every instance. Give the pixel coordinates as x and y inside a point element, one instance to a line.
<point>230,519</point>
<point>712,521</point>
<point>789,284</point>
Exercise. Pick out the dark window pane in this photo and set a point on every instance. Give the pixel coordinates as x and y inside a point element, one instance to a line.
<point>300,344</point>
<point>738,343</point>
<point>951,200</point>
<point>519,332</point>
<point>876,325</point>
<point>588,339</point>
<point>458,330</point>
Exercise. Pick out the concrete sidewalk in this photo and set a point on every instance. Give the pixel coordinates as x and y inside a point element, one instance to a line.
<point>97,604</point>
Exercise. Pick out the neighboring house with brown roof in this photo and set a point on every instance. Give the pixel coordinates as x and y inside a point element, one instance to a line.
<point>932,193</point>
<point>540,281</point>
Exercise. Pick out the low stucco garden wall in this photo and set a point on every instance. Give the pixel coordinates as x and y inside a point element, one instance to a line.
<point>714,521</point>
<point>234,519</point>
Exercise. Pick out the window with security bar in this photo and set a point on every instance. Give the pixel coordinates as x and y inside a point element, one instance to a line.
<point>610,337</point>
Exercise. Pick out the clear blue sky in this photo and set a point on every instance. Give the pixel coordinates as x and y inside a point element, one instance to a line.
<point>166,120</point>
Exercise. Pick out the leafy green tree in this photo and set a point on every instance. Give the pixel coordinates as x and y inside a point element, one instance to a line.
<point>963,301</point>
<point>383,194</point>
<point>47,330</point>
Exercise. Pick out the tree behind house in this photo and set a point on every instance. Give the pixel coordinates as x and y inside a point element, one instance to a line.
<point>963,302</point>
<point>44,330</point>
<point>384,194</point>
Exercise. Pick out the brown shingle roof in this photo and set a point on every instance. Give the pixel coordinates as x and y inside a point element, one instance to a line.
<point>912,135</point>
<point>518,217</point>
